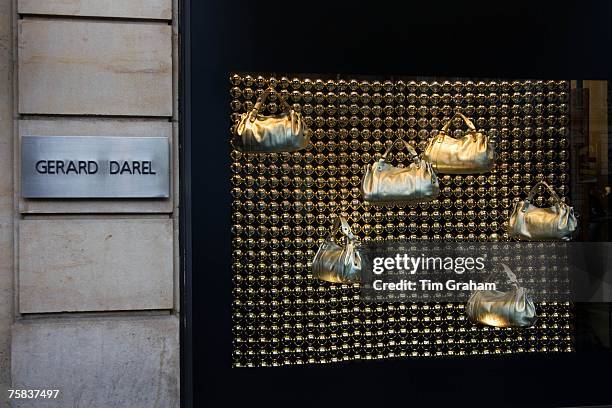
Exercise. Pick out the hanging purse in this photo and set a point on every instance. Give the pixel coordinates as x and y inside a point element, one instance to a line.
<point>336,263</point>
<point>384,183</point>
<point>531,223</point>
<point>284,132</point>
<point>502,309</point>
<point>471,154</point>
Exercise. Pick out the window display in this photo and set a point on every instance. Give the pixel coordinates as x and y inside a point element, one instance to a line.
<point>359,168</point>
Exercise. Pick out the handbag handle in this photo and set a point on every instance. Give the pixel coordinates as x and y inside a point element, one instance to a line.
<point>262,99</point>
<point>465,120</point>
<point>341,224</point>
<point>511,276</point>
<point>413,154</point>
<point>534,191</point>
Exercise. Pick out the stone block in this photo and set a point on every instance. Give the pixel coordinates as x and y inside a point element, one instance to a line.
<point>142,9</point>
<point>98,363</point>
<point>69,265</point>
<point>69,67</point>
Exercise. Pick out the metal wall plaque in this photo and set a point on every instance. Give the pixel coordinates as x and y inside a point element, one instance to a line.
<point>95,167</point>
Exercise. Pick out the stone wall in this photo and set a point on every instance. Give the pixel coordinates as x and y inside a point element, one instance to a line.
<point>6,192</point>
<point>88,288</point>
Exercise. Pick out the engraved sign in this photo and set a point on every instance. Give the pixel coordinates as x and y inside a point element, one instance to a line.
<point>95,167</point>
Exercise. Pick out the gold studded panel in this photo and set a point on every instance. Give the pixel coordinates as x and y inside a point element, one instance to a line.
<point>284,205</point>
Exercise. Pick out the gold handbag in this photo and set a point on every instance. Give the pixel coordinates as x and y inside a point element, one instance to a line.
<point>384,183</point>
<point>336,263</point>
<point>284,132</point>
<point>531,223</point>
<point>471,154</point>
<point>502,309</point>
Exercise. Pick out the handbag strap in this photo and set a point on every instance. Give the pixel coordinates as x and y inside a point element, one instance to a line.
<point>262,100</point>
<point>511,276</point>
<point>342,224</point>
<point>534,191</point>
<point>413,154</point>
<point>462,116</point>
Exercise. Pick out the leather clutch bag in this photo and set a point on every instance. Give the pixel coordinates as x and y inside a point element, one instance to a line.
<point>384,183</point>
<point>471,154</point>
<point>530,223</point>
<point>338,263</point>
<point>502,309</point>
<point>257,133</point>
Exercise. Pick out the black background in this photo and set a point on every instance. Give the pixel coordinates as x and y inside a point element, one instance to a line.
<point>519,39</point>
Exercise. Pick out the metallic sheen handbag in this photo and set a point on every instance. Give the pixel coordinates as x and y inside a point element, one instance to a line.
<point>502,309</point>
<point>384,183</point>
<point>284,132</point>
<point>471,154</point>
<point>336,263</point>
<point>530,223</point>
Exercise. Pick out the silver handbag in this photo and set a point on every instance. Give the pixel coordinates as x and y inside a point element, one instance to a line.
<point>530,223</point>
<point>502,309</point>
<point>284,132</point>
<point>471,154</point>
<point>384,183</point>
<point>338,263</point>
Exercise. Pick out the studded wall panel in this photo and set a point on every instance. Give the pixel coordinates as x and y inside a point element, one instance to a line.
<point>284,205</point>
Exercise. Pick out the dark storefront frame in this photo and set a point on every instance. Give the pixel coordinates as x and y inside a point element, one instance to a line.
<point>229,38</point>
<point>186,323</point>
